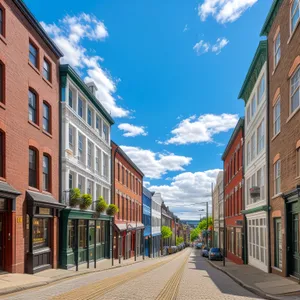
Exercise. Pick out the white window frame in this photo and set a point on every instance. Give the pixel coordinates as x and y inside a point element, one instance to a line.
<point>90,110</point>
<point>90,154</point>
<point>80,148</point>
<point>248,114</point>
<point>253,146</point>
<point>277,177</point>
<point>292,15</point>
<point>248,153</point>
<point>277,49</point>
<point>276,119</point>
<point>71,137</point>
<point>262,84</point>
<point>253,106</point>
<point>295,91</point>
<point>261,136</point>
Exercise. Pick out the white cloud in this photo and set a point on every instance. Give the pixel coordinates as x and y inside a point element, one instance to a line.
<point>146,184</point>
<point>186,28</point>
<point>186,191</point>
<point>132,130</point>
<point>203,47</point>
<point>69,36</point>
<point>220,44</point>
<point>154,165</point>
<point>201,129</point>
<point>224,10</point>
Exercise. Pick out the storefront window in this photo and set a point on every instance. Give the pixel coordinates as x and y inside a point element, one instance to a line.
<point>238,242</point>
<point>40,232</point>
<point>102,231</point>
<point>82,233</point>
<point>91,233</point>
<point>71,234</point>
<point>278,244</point>
<point>98,232</point>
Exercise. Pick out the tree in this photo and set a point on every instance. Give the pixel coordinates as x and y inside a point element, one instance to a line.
<point>202,225</point>
<point>195,234</point>
<point>179,241</point>
<point>166,232</point>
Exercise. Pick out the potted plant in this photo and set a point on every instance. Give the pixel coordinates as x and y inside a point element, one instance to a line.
<point>86,201</point>
<point>101,205</point>
<point>112,210</point>
<point>75,197</point>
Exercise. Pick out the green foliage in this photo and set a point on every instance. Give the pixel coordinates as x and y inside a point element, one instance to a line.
<point>112,210</point>
<point>166,232</point>
<point>86,201</point>
<point>202,224</point>
<point>101,205</point>
<point>195,234</point>
<point>75,197</point>
<point>179,241</point>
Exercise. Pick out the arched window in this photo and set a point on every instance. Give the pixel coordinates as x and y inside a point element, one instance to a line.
<point>33,167</point>
<point>295,90</point>
<point>295,14</point>
<point>46,173</point>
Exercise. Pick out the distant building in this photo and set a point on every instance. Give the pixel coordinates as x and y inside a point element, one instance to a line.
<point>166,220</point>
<point>156,223</point>
<point>147,201</point>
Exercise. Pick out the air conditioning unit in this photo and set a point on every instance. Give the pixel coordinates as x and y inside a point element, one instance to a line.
<point>255,192</point>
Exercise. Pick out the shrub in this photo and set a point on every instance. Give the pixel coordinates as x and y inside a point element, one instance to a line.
<point>101,205</point>
<point>86,201</point>
<point>75,198</point>
<point>112,210</point>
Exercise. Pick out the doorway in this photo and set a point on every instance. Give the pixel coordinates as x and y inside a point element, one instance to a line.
<point>293,245</point>
<point>1,240</point>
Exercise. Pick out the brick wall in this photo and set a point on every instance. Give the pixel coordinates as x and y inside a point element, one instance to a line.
<point>19,134</point>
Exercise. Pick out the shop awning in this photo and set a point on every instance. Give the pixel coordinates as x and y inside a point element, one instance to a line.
<point>43,200</point>
<point>6,188</point>
<point>129,226</point>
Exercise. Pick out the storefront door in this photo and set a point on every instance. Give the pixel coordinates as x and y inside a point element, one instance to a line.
<point>1,240</point>
<point>294,262</point>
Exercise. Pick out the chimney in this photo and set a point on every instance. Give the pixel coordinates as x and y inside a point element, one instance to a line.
<point>92,87</point>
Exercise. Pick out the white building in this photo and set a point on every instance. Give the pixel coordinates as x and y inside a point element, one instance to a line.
<point>254,93</point>
<point>156,223</point>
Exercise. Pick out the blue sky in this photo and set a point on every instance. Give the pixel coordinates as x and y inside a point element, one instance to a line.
<point>169,72</point>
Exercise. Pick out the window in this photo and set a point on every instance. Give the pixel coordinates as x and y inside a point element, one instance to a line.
<point>32,107</point>
<point>295,13</point>
<point>46,117</point>
<point>70,98</point>
<point>252,146</point>
<point>277,49</point>
<point>46,173</point>
<point>2,82</point>
<point>71,137</point>
<point>82,233</point>
<point>2,154</point>
<point>248,153</point>
<point>33,156</point>
<point>277,183</point>
<point>90,117</point>
<point>33,54</point>
<point>40,234</point>
<point>80,147</point>
<point>71,234</point>
<point>105,165</point>
<point>98,160</point>
<point>248,115</point>
<point>81,183</point>
<point>261,182</point>
<point>90,154</point>
<point>260,137</point>
<point>70,180</point>
<point>261,89</point>
<point>253,106</point>
<point>248,191</point>
<point>89,187</point>
<point>276,119</point>
<point>47,69</point>
<point>298,161</point>
<point>105,132</point>
<point>80,108</point>
<point>278,243</point>
<point>126,178</point>
<point>106,194</point>
<point>98,124</point>
<point>2,19</point>
<point>295,94</point>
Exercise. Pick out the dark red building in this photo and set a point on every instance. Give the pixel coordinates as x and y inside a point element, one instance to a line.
<point>233,194</point>
<point>127,191</point>
<point>29,142</point>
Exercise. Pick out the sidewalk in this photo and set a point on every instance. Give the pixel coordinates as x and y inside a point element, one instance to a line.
<point>268,286</point>
<point>11,283</point>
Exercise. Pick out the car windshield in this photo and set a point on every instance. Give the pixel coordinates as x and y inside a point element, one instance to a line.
<point>215,250</point>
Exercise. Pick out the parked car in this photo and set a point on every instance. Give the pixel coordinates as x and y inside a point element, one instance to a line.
<point>199,246</point>
<point>215,254</point>
<point>205,252</point>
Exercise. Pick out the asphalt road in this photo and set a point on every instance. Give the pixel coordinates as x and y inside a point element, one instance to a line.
<point>183,276</point>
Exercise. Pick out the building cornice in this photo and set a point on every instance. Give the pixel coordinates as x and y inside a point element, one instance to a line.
<point>67,70</point>
<point>271,17</point>
<point>257,63</point>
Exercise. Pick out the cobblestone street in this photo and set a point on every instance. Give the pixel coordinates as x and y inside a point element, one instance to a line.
<point>185,275</point>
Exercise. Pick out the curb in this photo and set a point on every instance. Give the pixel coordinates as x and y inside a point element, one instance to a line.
<point>256,291</point>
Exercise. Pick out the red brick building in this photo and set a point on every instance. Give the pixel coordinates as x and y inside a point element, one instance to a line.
<point>233,194</point>
<point>283,32</point>
<point>127,191</point>
<point>29,142</point>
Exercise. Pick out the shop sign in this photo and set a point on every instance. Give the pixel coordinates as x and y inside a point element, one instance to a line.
<point>19,220</point>
<point>44,211</point>
<point>3,204</point>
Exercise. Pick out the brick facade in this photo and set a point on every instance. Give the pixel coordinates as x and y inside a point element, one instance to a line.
<point>19,132</point>
<point>233,194</point>
<point>283,146</point>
